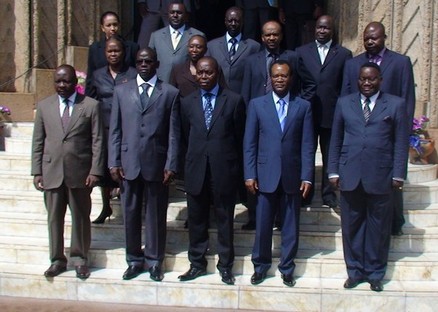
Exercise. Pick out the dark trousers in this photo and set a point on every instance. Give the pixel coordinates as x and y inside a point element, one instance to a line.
<point>366,220</point>
<point>152,197</point>
<point>198,222</point>
<point>79,201</point>
<point>268,205</point>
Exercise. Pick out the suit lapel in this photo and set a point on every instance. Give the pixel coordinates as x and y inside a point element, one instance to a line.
<point>386,60</point>
<point>77,112</point>
<point>313,52</point>
<point>155,95</point>
<point>292,111</point>
<point>55,114</point>
<point>223,47</point>
<point>330,55</point>
<point>240,49</point>
<point>271,112</point>
<point>379,108</point>
<point>356,106</point>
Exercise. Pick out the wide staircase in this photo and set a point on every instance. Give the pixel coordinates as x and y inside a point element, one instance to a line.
<point>410,283</point>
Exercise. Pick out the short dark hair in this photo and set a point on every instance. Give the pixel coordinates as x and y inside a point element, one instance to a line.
<point>281,62</point>
<point>371,65</point>
<point>107,13</point>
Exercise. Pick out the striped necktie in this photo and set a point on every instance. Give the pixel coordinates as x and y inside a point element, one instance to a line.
<point>366,109</point>
<point>208,111</point>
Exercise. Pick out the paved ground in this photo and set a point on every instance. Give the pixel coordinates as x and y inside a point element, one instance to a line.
<point>16,304</point>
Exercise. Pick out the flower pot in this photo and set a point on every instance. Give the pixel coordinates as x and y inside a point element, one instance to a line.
<point>419,157</point>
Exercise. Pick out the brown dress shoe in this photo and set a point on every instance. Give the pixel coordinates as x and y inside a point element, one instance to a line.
<point>55,270</point>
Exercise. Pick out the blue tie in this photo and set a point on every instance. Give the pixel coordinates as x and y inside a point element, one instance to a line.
<point>232,51</point>
<point>208,112</point>
<point>282,112</point>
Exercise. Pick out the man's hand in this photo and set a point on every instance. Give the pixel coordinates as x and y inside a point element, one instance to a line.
<point>117,174</point>
<point>334,182</point>
<point>398,185</point>
<point>91,180</point>
<point>305,188</point>
<point>168,177</point>
<point>252,186</point>
<point>38,182</point>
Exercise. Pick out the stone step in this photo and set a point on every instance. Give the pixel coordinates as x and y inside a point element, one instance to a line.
<point>15,162</point>
<point>20,129</point>
<point>310,263</point>
<point>312,237</point>
<point>309,294</point>
<point>18,145</point>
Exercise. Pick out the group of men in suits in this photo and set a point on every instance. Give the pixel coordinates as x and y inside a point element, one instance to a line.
<point>266,123</point>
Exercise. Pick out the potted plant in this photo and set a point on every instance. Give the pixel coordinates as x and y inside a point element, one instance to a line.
<point>420,145</point>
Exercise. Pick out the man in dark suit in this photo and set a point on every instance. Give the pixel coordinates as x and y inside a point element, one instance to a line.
<point>325,60</point>
<point>67,162</point>
<point>279,159</point>
<point>256,13</point>
<point>368,157</point>
<point>398,79</point>
<point>153,15</point>
<point>170,42</point>
<point>232,50</point>
<point>213,121</point>
<point>298,17</point>
<point>143,148</point>
<point>256,80</point>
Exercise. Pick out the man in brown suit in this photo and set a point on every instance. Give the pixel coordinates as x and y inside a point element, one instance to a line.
<point>67,160</point>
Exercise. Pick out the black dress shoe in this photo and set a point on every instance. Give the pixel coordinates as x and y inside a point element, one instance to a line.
<point>192,273</point>
<point>132,271</point>
<point>55,270</point>
<point>351,283</point>
<point>250,226</point>
<point>257,278</point>
<point>331,203</point>
<point>376,286</point>
<point>156,274</point>
<point>227,277</point>
<point>82,272</point>
<point>288,280</point>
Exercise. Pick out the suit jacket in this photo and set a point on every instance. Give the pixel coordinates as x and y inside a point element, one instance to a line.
<point>397,73</point>
<point>168,57</point>
<point>328,78</point>
<point>271,155</point>
<point>221,145</point>
<point>371,153</point>
<point>144,140</point>
<point>255,76</point>
<point>162,5</point>
<point>300,7</point>
<point>102,88</point>
<point>71,156</point>
<point>97,58</point>
<point>233,70</point>
<point>252,4</point>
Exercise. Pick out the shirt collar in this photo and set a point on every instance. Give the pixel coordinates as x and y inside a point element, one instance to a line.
<point>71,98</point>
<point>379,54</point>
<point>152,82</point>
<point>373,98</point>
<point>180,30</point>
<point>228,37</point>
<point>213,91</point>
<point>328,44</point>
<point>276,97</point>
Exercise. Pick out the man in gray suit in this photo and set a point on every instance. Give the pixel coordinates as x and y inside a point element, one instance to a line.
<point>231,50</point>
<point>170,42</point>
<point>153,15</point>
<point>67,161</point>
<point>143,152</point>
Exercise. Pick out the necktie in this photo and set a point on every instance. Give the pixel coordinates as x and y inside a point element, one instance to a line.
<point>232,51</point>
<point>366,109</point>
<point>65,118</point>
<point>272,57</point>
<point>282,112</point>
<point>376,59</point>
<point>175,38</point>
<point>208,112</point>
<point>322,50</point>
<point>144,97</point>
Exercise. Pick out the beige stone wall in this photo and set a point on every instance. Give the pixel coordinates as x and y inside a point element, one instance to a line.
<point>411,26</point>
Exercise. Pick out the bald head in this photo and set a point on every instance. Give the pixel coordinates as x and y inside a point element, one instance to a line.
<point>374,37</point>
